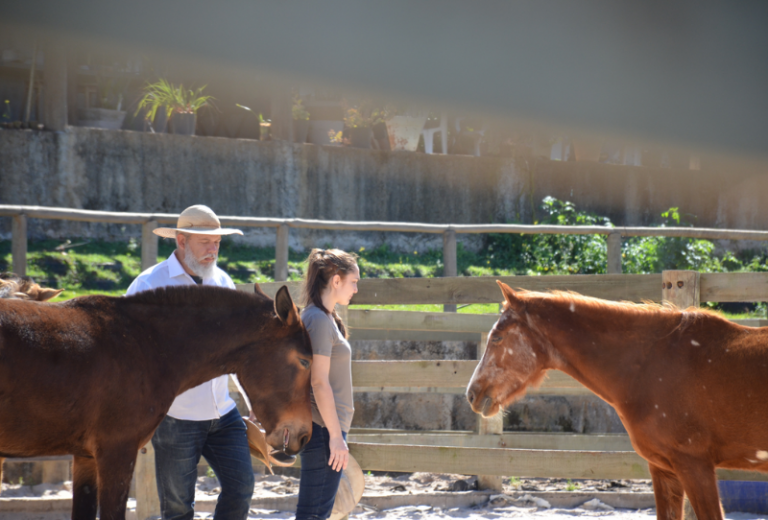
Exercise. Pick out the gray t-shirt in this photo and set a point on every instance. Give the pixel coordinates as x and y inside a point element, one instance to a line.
<point>328,341</point>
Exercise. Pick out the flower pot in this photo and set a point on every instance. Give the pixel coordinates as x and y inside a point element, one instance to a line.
<point>318,130</point>
<point>183,123</point>
<point>587,148</point>
<point>404,132</point>
<point>300,130</point>
<point>160,123</point>
<point>101,118</point>
<point>360,137</point>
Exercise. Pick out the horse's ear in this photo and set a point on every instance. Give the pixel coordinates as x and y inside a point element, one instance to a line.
<point>46,294</point>
<point>285,308</point>
<point>257,290</point>
<point>513,301</point>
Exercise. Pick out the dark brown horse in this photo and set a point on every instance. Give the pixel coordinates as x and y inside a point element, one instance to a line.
<point>94,376</point>
<point>688,385</point>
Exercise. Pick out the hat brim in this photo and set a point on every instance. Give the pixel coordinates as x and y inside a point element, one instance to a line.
<point>172,232</point>
<point>350,490</point>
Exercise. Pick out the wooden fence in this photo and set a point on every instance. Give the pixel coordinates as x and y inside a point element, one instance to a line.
<point>489,452</point>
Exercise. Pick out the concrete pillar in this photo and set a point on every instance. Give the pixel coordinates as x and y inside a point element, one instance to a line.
<point>55,114</point>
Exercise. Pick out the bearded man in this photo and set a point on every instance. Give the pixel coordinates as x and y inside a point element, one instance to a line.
<point>203,420</point>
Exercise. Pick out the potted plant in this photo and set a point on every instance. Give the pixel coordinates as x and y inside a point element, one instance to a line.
<point>404,127</point>
<point>178,104</point>
<point>109,114</point>
<point>359,120</point>
<point>300,121</point>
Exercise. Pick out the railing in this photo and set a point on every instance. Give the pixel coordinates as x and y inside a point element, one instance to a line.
<point>150,221</point>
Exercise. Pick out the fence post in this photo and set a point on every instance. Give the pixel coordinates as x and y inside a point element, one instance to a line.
<point>491,426</point>
<point>148,245</point>
<point>614,252</point>
<point>450,267</point>
<point>281,253</point>
<point>681,288</point>
<point>147,501</point>
<point>19,244</point>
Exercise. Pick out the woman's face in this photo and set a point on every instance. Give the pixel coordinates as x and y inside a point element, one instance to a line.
<point>345,287</point>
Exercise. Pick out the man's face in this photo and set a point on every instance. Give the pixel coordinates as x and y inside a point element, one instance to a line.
<point>205,248</point>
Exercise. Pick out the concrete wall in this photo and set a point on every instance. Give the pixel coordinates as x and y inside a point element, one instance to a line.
<point>134,171</point>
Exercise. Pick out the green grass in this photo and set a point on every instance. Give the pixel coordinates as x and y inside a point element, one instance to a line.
<point>82,267</point>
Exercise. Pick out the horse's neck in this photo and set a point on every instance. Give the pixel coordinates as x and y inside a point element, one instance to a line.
<point>196,345</point>
<point>602,354</point>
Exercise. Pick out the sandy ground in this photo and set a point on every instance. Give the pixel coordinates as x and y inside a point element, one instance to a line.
<point>516,501</point>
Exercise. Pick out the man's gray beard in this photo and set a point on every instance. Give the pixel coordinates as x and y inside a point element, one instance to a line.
<point>203,271</point>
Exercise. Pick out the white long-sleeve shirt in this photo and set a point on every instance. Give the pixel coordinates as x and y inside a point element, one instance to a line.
<point>210,400</point>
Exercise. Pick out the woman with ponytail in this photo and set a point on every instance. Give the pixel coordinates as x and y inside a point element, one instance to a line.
<point>331,279</point>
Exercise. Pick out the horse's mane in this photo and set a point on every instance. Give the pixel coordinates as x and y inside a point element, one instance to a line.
<point>197,296</point>
<point>632,308</point>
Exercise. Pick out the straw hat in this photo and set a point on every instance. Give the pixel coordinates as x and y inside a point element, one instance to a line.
<point>350,490</point>
<point>197,219</point>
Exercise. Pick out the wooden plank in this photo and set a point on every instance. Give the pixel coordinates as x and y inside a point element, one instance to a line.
<point>450,264</point>
<point>55,471</point>
<point>734,287</point>
<point>423,321</point>
<point>147,500</point>
<point>19,245</point>
<point>517,440</point>
<point>614,253</point>
<point>281,253</point>
<point>488,428</point>
<point>512,462</point>
<point>502,462</point>
<point>410,335</point>
<point>483,289</point>
<point>681,288</point>
<point>444,373</point>
<point>148,244</point>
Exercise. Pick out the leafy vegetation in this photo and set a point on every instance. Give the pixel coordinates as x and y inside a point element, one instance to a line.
<point>86,267</point>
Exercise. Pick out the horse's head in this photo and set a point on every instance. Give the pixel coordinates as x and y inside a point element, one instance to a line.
<point>276,378</point>
<point>514,358</point>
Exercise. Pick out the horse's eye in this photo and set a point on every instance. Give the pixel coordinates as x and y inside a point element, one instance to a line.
<point>304,363</point>
<point>495,339</point>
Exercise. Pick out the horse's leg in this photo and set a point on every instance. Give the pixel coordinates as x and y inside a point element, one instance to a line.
<point>700,484</point>
<point>668,493</point>
<point>84,488</point>
<point>2,460</point>
<point>115,468</point>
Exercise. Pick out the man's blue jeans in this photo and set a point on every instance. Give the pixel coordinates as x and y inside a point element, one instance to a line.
<point>319,482</point>
<point>224,444</point>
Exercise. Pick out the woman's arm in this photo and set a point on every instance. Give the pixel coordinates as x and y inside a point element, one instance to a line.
<point>326,405</point>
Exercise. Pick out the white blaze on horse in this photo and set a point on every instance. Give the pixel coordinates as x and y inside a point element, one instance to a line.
<point>688,385</point>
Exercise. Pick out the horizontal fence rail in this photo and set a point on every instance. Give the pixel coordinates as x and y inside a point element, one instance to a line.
<point>150,221</point>
<point>714,287</point>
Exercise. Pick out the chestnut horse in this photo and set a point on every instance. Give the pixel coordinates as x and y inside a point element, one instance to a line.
<point>94,376</point>
<point>688,385</point>
<point>24,288</point>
